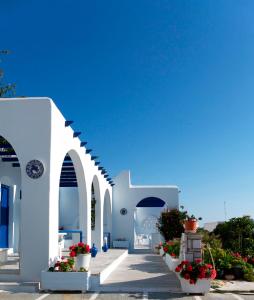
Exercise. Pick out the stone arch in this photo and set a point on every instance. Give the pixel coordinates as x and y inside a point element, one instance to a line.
<point>107,217</point>
<point>96,230</point>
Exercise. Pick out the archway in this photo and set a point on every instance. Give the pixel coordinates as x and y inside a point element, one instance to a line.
<point>146,215</point>
<point>96,215</point>
<point>107,218</point>
<point>72,202</point>
<point>10,205</point>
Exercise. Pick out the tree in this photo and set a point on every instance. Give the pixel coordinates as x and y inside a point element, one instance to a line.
<point>237,235</point>
<point>5,89</point>
<point>170,224</point>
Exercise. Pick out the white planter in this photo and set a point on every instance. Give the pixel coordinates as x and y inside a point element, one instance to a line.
<point>82,261</point>
<point>161,251</point>
<point>171,262</point>
<point>65,281</point>
<point>121,244</point>
<point>202,286</point>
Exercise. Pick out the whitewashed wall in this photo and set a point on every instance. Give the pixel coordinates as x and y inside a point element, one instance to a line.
<point>36,130</point>
<point>127,196</point>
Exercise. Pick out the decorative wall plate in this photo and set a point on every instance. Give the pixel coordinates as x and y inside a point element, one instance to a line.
<point>34,169</point>
<point>123,211</point>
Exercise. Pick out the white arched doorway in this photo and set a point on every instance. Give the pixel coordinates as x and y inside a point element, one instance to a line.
<point>146,215</point>
<point>72,201</point>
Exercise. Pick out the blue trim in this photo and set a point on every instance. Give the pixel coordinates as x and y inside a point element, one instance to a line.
<point>68,123</point>
<point>97,163</point>
<point>151,202</point>
<point>6,146</point>
<point>88,151</point>
<point>67,158</point>
<point>67,164</point>
<point>4,153</point>
<point>68,184</point>
<point>16,165</point>
<point>94,157</point>
<point>82,144</point>
<point>76,134</point>
<point>10,159</point>
<point>100,168</point>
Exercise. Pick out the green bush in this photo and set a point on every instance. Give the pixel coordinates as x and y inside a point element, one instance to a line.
<point>170,224</point>
<point>237,235</point>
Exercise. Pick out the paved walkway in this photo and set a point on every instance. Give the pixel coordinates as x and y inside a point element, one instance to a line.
<point>142,273</point>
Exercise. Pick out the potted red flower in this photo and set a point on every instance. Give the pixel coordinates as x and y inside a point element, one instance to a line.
<point>195,277</point>
<point>81,253</point>
<point>191,224</point>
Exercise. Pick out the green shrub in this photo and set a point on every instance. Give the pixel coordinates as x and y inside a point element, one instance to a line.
<point>170,224</point>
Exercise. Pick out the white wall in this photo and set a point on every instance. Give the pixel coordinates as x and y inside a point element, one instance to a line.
<point>36,129</point>
<point>127,196</point>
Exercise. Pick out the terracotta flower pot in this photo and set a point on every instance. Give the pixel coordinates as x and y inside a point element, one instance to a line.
<point>191,225</point>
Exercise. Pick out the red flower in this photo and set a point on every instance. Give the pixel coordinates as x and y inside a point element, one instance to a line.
<point>198,261</point>
<point>213,274</point>
<point>186,276</point>
<point>72,254</point>
<point>201,275</point>
<point>81,244</point>
<point>185,262</point>
<point>209,266</point>
<point>165,249</point>
<point>177,269</point>
<point>173,254</point>
<point>87,248</point>
<point>71,248</point>
<point>192,281</point>
<point>189,268</point>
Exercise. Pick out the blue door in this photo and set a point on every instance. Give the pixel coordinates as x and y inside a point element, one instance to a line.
<point>4,216</point>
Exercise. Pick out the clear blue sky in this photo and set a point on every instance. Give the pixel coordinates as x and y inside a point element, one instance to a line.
<point>163,88</point>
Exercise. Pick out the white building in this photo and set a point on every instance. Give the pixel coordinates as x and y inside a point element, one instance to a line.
<point>50,181</point>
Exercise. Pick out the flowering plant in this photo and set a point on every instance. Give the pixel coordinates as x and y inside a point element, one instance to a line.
<point>80,248</point>
<point>172,248</point>
<point>192,271</point>
<point>63,265</point>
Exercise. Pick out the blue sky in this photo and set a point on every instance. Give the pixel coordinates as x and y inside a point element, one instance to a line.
<point>163,88</point>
